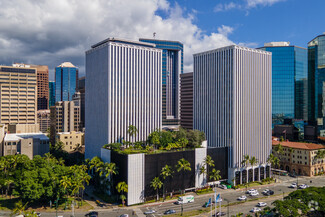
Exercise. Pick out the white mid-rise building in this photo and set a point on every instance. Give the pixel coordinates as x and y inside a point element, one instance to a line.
<point>232,105</point>
<point>124,87</point>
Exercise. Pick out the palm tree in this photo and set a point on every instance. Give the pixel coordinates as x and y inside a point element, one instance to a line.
<point>253,161</point>
<point>156,184</point>
<point>182,166</point>
<point>108,170</point>
<point>65,182</point>
<point>215,175</point>
<point>166,172</point>
<point>121,188</point>
<point>132,131</point>
<point>245,162</point>
<point>8,183</point>
<point>203,172</point>
<point>208,163</point>
<point>319,155</point>
<point>19,208</point>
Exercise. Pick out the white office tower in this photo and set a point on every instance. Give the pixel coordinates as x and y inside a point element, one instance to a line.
<point>123,88</point>
<point>232,105</point>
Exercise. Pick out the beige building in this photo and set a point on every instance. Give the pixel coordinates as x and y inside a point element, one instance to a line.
<point>23,128</point>
<point>71,140</point>
<point>65,116</point>
<point>30,144</point>
<point>18,95</point>
<point>42,84</point>
<point>300,158</point>
<point>43,119</point>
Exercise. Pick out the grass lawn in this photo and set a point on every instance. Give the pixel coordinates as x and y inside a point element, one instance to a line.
<point>9,204</point>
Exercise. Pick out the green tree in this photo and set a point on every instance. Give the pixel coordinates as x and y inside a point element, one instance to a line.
<point>253,161</point>
<point>209,163</point>
<point>245,163</point>
<point>19,208</point>
<point>132,131</point>
<point>183,142</point>
<point>183,166</point>
<point>166,173</point>
<point>121,188</point>
<point>215,175</point>
<point>203,171</point>
<point>8,183</point>
<point>156,184</point>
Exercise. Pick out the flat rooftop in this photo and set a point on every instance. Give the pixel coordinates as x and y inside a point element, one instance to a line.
<point>125,41</point>
<point>19,136</point>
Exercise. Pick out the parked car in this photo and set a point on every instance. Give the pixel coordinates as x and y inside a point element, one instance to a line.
<point>223,186</point>
<point>170,211</point>
<point>251,191</point>
<point>124,215</point>
<point>255,193</point>
<point>92,214</point>
<point>255,209</point>
<point>261,204</point>
<point>242,198</point>
<point>303,186</point>
<point>293,185</point>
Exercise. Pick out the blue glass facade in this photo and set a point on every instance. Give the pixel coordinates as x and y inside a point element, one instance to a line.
<point>172,67</point>
<point>289,83</point>
<point>316,77</point>
<point>66,83</point>
<point>52,93</point>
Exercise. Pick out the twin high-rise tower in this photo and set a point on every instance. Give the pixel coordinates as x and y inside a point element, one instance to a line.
<point>124,87</point>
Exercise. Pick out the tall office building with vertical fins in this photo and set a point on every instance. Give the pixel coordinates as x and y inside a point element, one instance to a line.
<point>172,67</point>
<point>232,105</point>
<point>123,88</point>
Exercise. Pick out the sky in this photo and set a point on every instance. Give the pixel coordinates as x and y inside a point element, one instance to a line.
<point>49,32</point>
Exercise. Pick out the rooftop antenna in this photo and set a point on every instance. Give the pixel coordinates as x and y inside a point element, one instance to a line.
<point>154,35</point>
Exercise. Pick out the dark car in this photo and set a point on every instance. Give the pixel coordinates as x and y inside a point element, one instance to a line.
<point>220,214</point>
<point>92,214</point>
<point>206,204</point>
<point>268,192</point>
<point>170,211</point>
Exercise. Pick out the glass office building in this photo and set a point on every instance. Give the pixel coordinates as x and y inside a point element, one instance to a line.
<point>316,78</point>
<point>172,67</point>
<point>66,81</point>
<point>289,82</point>
<point>52,93</point>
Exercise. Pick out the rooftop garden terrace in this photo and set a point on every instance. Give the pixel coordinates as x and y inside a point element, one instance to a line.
<point>159,141</point>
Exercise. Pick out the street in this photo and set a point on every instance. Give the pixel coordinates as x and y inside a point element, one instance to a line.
<point>227,195</point>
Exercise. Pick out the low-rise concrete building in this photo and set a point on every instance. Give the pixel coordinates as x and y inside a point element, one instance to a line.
<point>300,158</point>
<point>71,140</point>
<point>23,128</point>
<point>30,144</point>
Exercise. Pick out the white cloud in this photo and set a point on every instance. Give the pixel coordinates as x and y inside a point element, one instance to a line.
<point>226,7</point>
<point>255,3</point>
<point>50,32</point>
<point>245,5</point>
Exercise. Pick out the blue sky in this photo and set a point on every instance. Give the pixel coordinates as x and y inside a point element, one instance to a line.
<point>49,32</point>
<point>297,21</point>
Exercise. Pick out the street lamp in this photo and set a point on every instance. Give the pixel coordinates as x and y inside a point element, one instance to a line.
<point>227,206</point>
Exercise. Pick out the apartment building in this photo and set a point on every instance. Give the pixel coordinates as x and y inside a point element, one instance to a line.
<point>18,95</point>
<point>300,158</point>
<point>71,140</point>
<point>65,116</point>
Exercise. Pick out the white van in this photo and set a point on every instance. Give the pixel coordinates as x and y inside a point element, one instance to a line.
<point>185,199</point>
